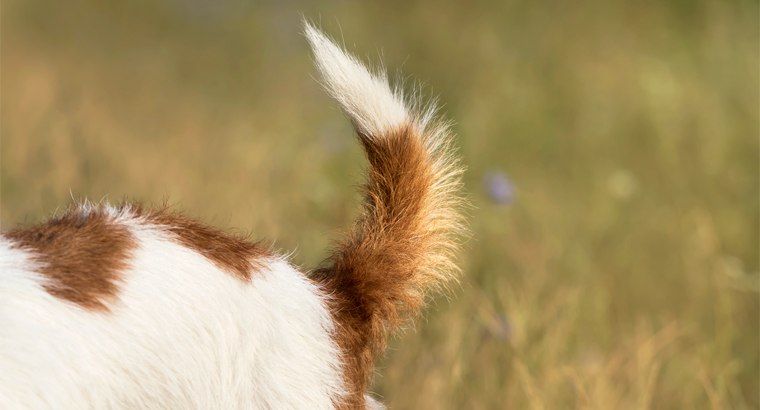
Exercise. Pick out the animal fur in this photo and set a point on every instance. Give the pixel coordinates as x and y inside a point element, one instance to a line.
<point>113,307</point>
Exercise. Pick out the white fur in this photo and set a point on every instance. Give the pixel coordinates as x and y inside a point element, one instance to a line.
<point>183,335</point>
<point>363,95</point>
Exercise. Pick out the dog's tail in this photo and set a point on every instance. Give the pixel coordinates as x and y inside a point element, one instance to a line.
<point>401,249</point>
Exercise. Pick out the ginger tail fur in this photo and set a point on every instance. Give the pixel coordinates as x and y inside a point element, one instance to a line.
<point>402,248</point>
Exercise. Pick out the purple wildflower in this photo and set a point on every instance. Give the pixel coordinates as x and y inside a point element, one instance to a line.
<point>499,188</point>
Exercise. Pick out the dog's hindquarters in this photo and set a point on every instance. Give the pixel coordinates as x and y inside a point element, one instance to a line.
<point>124,307</point>
<point>402,247</point>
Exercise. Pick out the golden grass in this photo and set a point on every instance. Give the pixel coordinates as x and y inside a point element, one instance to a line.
<point>623,276</point>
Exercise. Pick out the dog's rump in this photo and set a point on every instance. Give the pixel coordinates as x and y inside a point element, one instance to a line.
<point>125,306</point>
<point>177,329</point>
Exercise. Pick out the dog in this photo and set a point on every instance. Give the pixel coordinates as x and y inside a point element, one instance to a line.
<point>125,306</point>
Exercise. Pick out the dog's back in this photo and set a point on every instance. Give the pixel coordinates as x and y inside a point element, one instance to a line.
<point>124,307</point>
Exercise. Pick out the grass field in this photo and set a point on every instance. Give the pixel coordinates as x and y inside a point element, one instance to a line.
<point>613,167</point>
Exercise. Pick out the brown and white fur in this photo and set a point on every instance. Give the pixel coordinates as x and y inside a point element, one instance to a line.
<point>114,307</point>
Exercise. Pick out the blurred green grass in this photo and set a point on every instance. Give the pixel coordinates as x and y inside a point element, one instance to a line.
<point>625,273</point>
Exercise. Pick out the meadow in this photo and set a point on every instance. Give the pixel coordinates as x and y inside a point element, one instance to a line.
<point>613,167</point>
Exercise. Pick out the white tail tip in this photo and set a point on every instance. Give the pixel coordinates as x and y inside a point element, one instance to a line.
<point>364,95</point>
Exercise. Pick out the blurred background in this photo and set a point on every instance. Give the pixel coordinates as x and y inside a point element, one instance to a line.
<point>612,150</point>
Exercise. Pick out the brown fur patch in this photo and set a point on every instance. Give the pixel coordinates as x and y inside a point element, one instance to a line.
<point>229,252</point>
<point>82,252</point>
<point>376,275</point>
